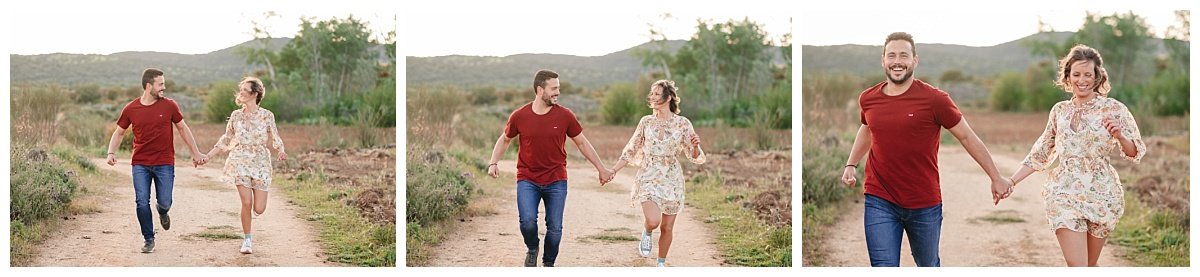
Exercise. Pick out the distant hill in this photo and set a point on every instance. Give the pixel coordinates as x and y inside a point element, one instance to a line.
<point>517,70</point>
<point>125,68</point>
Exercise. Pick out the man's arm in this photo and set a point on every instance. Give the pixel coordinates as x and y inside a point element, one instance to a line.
<point>497,153</point>
<point>589,152</point>
<point>1001,187</point>
<point>862,143</point>
<point>113,144</point>
<point>186,132</point>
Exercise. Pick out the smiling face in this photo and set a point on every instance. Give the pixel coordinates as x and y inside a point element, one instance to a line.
<point>899,61</point>
<point>1082,78</point>
<point>158,88</point>
<point>549,93</point>
<point>655,100</point>
<point>244,94</point>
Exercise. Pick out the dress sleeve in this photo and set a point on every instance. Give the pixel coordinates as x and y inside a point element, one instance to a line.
<point>1132,133</point>
<point>686,143</point>
<point>633,149</point>
<point>273,132</point>
<point>225,143</point>
<point>1043,152</point>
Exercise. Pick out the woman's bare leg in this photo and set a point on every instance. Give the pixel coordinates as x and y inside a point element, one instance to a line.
<point>247,198</point>
<point>1074,246</point>
<point>651,212</point>
<point>664,239</point>
<point>260,201</point>
<point>1094,246</point>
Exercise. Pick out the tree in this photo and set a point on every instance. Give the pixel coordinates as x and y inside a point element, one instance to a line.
<point>261,54</point>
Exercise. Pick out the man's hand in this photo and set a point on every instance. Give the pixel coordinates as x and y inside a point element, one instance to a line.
<point>199,160</point>
<point>1001,188</point>
<point>494,171</point>
<point>112,159</point>
<point>848,174</point>
<point>605,176</point>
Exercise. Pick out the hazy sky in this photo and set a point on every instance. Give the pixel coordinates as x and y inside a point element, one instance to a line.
<point>964,27</point>
<point>87,27</point>
<point>578,30</point>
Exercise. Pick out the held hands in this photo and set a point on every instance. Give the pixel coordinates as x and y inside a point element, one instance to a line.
<point>606,175</point>
<point>1001,188</point>
<point>1114,127</point>
<point>200,160</point>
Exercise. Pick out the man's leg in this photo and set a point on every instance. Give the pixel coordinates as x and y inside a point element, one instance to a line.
<point>528,198</point>
<point>883,231</point>
<point>141,197</point>
<point>924,228</point>
<point>164,185</point>
<point>555,196</point>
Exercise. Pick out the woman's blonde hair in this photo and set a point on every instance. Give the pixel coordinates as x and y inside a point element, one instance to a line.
<point>669,90</point>
<point>1083,53</point>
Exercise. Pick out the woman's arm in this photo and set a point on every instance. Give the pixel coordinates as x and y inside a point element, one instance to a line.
<point>226,140</point>
<point>273,132</point>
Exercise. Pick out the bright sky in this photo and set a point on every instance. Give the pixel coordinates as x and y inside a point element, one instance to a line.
<point>103,27</point>
<point>582,30</point>
<point>963,27</point>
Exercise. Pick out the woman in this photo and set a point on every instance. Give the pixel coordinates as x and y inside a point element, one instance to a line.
<point>659,137</point>
<point>248,167</point>
<point>1084,197</point>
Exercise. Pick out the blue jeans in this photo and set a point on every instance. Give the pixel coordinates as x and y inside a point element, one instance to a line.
<point>555,197</point>
<point>886,224</point>
<point>163,177</point>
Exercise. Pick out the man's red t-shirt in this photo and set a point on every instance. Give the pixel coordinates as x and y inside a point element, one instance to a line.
<point>153,141</point>
<point>905,131</point>
<point>541,157</point>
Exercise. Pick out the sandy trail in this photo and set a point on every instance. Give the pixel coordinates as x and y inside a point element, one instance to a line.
<point>968,239</point>
<point>592,211</point>
<point>201,204</point>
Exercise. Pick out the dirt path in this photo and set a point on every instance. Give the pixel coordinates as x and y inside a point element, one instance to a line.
<point>592,211</point>
<point>201,205</point>
<point>971,233</point>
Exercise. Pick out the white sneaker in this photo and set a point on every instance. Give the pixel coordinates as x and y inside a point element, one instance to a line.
<point>246,247</point>
<point>646,245</point>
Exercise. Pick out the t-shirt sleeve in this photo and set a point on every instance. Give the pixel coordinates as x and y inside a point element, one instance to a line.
<point>573,126</point>
<point>123,121</point>
<point>945,112</point>
<point>510,127</point>
<point>176,115</point>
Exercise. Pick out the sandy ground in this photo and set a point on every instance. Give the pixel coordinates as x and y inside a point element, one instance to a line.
<point>591,211</point>
<point>968,239</point>
<point>201,204</point>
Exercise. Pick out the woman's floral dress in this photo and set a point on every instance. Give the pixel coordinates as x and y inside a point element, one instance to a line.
<point>653,147</point>
<point>1084,193</point>
<point>249,161</point>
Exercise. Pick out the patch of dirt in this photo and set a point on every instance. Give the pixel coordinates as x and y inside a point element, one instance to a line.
<point>370,173</point>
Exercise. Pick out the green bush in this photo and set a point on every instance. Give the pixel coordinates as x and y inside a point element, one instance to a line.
<point>41,186</point>
<point>623,105</point>
<point>219,102</point>
<point>1008,93</point>
<point>436,187</point>
<point>1167,94</point>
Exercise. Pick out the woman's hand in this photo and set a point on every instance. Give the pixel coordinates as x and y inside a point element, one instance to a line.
<point>695,140</point>
<point>282,156</point>
<point>1114,128</point>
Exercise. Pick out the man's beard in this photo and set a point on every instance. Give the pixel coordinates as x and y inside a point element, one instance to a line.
<point>548,101</point>
<point>158,95</point>
<point>902,79</point>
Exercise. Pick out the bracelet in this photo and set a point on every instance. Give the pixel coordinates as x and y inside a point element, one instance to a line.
<point>110,153</point>
<point>492,164</point>
<point>850,165</point>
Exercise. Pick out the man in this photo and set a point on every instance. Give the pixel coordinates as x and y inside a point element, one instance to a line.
<point>902,120</point>
<point>152,116</point>
<point>542,162</point>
